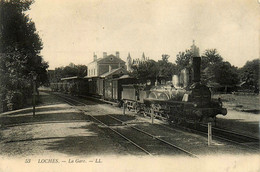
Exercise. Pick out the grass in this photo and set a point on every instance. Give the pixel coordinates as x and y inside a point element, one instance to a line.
<point>246,103</point>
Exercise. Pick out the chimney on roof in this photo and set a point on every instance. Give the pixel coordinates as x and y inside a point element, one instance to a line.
<point>104,54</point>
<point>95,57</point>
<point>117,54</point>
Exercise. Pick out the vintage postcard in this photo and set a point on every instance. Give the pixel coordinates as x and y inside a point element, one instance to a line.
<point>139,85</point>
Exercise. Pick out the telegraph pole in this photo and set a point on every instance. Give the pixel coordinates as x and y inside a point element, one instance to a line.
<point>34,91</point>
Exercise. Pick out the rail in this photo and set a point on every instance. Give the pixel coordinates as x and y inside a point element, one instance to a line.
<point>135,128</point>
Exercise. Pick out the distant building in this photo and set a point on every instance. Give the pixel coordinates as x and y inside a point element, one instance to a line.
<point>135,62</point>
<point>105,64</point>
<point>128,63</point>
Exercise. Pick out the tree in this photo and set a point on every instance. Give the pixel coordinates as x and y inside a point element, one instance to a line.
<point>217,72</point>
<point>249,73</point>
<point>20,47</point>
<point>224,74</point>
<point>69,71</point>
<point>82,70</point>
<point>166,68</point>
<point>209,62</point>
<point>210,57</point>
<point>183,60</point>
<point>147,70</point>
<point>152,70</point>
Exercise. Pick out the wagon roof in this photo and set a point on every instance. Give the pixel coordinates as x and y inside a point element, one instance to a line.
<point>125,76</point>
<point>69,78</point>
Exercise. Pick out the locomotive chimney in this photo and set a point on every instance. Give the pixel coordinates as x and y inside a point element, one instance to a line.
<point>196,63</point>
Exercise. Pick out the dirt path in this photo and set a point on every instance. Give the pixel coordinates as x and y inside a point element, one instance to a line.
<point>57,130</point>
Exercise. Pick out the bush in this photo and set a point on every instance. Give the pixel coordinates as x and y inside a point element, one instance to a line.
<point>14,100</point>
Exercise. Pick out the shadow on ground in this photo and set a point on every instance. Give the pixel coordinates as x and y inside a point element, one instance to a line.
<point>63,116</point>
<point>104,143</point>
<point>53,97</point>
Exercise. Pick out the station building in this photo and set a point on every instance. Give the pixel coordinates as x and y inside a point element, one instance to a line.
<point>107,63</point>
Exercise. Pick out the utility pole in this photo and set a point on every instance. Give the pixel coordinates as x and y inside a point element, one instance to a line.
<point>209,134</point>
<point>34,91</point>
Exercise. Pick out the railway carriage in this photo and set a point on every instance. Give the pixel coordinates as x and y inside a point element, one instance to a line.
<point>74,85</point>
<point>114,87</point>
<point>92,86</point>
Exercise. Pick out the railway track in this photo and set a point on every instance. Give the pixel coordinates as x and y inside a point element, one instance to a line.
<point>245,141</point>
<point>248,142</point>
<point>231,136</point>
<point>146,142</point>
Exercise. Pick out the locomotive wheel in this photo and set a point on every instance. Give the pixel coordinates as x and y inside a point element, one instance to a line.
<point>166,116</point>
<point>163,116</point>
<point>138,109</point>
<point>158,115</point>
<point>135,107</point>
<point>147,111</point>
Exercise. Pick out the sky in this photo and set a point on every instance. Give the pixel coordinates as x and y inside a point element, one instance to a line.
<point>72,30</point>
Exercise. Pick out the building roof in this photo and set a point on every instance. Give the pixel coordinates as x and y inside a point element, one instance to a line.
<point>113,71</point>
<point>109,59</point>
<point>88,77</point>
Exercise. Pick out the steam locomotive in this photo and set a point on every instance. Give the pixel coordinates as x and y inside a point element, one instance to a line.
<point>185,99</point>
